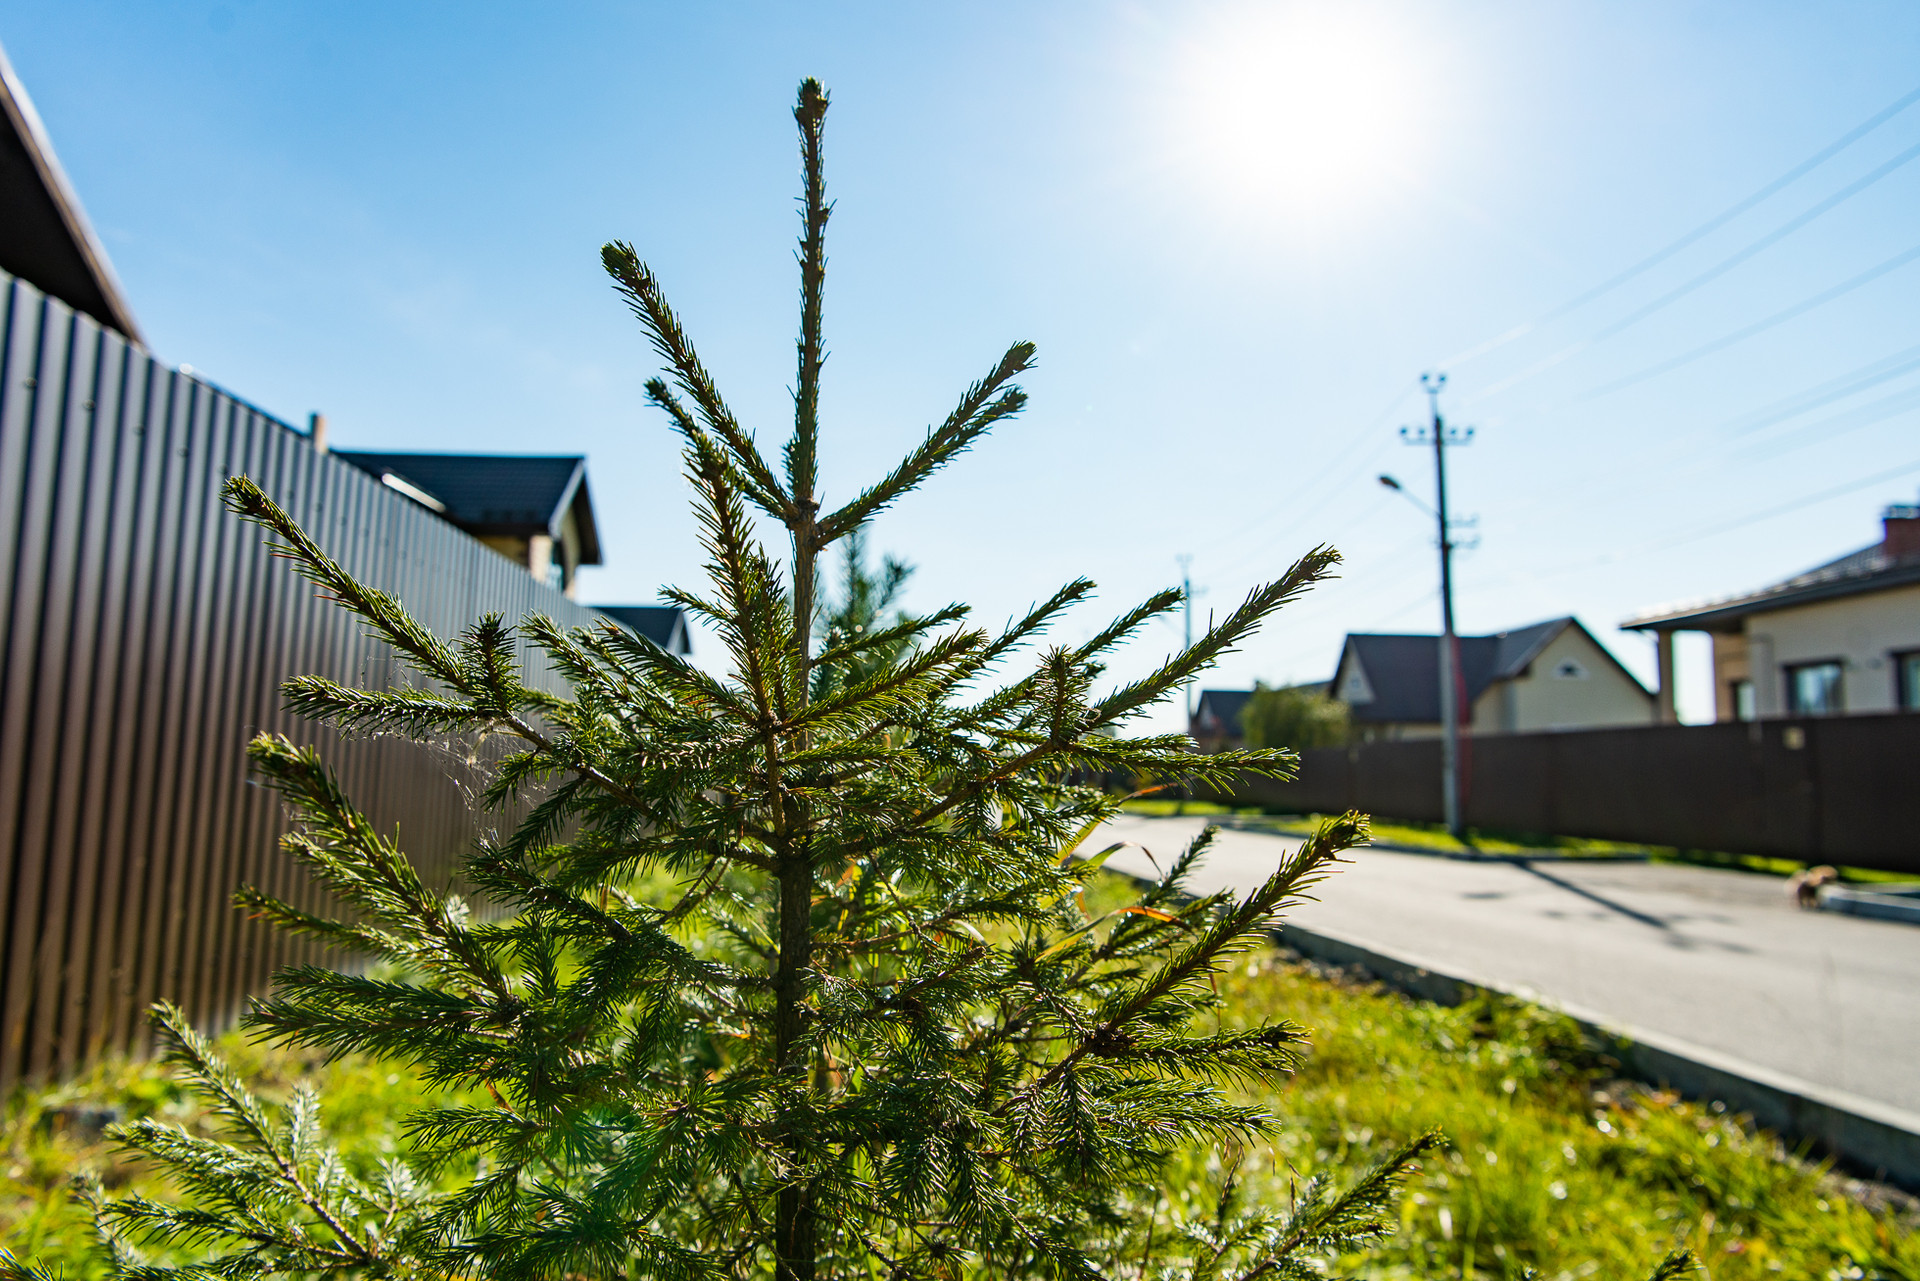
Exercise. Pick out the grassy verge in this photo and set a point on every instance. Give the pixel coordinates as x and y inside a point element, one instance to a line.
<point>1416,835</point>
<point>1552,1163</point>
<point>1432,836</point>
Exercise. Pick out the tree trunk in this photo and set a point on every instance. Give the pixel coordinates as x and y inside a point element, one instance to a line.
<point>795,1235</point>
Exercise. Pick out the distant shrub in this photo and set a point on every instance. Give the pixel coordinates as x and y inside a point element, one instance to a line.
<point>1296,717</point>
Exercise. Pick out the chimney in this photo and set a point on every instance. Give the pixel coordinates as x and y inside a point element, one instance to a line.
<point>317,432</point>
<point>1901,523</point>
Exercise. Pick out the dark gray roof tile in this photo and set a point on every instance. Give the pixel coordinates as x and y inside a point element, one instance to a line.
<point>517,494</point>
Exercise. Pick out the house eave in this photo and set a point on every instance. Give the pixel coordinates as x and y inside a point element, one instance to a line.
<point>111,308</point>
<point>1728,616</point>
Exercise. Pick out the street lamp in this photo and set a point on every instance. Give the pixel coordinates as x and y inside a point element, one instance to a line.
<point>1409,495</point>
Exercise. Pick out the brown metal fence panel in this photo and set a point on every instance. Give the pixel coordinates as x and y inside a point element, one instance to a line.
<point>144,634</point>
<point>1844,789</point>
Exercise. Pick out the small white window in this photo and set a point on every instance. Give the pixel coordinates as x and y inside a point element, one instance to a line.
<point>1568,669</point>
<point>1356,688</point>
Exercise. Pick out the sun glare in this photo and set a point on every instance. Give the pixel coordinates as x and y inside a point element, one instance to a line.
<point>1302,111</point>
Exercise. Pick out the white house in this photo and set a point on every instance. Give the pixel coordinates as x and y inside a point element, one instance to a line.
<point>1839,639</point>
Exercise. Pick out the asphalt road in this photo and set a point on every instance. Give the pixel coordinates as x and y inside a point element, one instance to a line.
<point>1717,959</point>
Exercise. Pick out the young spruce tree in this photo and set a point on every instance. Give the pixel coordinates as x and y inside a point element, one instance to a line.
<point>791,974</point>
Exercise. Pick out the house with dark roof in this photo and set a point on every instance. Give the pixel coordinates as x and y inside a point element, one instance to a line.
<point>1840,638</point>
<point>1550,676</point>
<point>531,508</point>
<point>664,625</point>
<point>534,509</point>
<point>1215,724</point>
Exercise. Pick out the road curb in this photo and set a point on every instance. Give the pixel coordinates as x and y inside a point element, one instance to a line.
<point>1866,1136</point>
<point>1880,902</point>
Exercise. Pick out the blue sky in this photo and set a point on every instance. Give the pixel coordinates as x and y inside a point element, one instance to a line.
<point>1238,232</point>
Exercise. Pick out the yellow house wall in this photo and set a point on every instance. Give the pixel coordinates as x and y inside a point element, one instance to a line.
<point>514,549</point>
<point>568,550</point>
<point>1860,631</point>
<point>1542,700</point>
<point>1730,664</point>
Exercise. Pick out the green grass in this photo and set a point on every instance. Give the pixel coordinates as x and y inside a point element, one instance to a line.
<point>43,1140</point>
<point>1179,809</point>
<point>1551,1162</point>
<point>1426,836</point>
<point>1432,836</point>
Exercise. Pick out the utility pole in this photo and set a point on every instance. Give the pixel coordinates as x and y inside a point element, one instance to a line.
<point>1186,595</point>
<point>1439,435</point>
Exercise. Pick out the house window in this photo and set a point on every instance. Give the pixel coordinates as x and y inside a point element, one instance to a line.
<point>1813,689</point>
<point>1568,669</point>
<point>1906,676</point>
<point>1744,707</point>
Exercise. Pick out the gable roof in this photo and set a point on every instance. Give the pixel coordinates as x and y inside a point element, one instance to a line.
<point>511,494</point>
<point>664,625</point>
<point>1218,712</point>
<point>1403,670</point>
<point>45,238</point>
<point>1871,569</point>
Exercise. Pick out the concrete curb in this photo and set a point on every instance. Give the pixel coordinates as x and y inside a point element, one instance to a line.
<point>1868,1137</point>
<point>1885,903</point>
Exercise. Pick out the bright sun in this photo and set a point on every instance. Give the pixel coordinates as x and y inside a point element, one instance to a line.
<point>1302,111</point>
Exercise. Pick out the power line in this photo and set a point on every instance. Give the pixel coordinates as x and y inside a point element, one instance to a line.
<point>1359,441</point>
<point>1383,619</point>
<point>1711,274</point>
<point>1645,549</point>
<point>1851,383</point>
<point>1892,473</point>
<point>1381,574</point>
<point>1759,326</point>
<point>1706,228</point>
<point>1767,241</point>
<point>1827,428</point>
<point>1793,406</point>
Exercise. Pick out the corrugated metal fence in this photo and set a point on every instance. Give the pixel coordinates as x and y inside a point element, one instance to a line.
<point>1834,790</point>
<point>144,632</point>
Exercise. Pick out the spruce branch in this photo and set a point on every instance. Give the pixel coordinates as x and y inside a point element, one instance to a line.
<point>390,621</point>
<point>1323,1225</point>
<point>1221,639</point>
<point>1675,1266</point>
<point>984,404</point>
<point>1309,865</point>
<point>340,847</point>
<point>641,288</point>
<point>246,1187</point>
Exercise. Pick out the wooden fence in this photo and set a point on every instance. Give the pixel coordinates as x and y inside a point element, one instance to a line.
<point>144,632</point>
<point>1838,789</point>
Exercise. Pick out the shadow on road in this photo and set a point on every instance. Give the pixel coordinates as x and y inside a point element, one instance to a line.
<point>1621,908</point>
